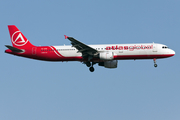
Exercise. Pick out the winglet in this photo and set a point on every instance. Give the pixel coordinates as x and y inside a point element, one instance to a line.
<point>65,36</point>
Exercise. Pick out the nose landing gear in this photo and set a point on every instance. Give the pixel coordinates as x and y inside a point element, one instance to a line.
<point>155,65</point>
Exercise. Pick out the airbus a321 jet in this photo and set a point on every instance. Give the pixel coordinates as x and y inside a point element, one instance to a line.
<point>103,55</point>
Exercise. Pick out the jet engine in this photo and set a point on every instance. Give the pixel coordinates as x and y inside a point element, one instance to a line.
<point>109,64</point>
<point>106,55</point>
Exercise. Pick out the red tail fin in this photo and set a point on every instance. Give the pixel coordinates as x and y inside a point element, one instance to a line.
<point>18,39</point>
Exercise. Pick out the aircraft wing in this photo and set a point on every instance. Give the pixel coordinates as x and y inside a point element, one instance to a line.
<point>83,48</point>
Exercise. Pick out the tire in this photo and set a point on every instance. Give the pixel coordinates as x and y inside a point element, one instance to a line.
<point>91,69</point>
<point>155,65</point>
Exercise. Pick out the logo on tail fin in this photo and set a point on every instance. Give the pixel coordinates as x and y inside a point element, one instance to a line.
<point>18,39</point>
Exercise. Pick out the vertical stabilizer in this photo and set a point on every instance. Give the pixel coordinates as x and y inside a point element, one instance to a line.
<point>18,39</point>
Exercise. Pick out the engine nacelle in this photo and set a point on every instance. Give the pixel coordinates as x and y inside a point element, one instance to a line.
<point>109,64</point>
<point>106,55</point>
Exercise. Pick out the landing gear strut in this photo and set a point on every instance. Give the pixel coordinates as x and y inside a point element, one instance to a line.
<point>155,65</point>
<point>88,64</point>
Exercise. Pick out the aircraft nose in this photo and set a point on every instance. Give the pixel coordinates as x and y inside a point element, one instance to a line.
<point>173,52</point>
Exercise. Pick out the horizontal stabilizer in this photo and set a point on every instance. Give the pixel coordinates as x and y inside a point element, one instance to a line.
<point>13,49</point>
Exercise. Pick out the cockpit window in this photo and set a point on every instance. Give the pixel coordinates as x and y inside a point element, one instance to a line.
<point>165,47</point>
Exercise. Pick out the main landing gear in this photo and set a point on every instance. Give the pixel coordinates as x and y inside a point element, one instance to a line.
<point>91,69</point>
<point>90,65</point>
<point>155,65</point>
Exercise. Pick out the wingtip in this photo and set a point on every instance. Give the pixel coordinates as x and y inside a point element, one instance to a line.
<point>65,36</point>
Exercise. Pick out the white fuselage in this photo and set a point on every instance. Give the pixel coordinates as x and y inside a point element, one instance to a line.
<point>137,50</point>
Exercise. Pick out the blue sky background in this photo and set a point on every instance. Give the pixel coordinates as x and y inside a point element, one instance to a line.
<point>38,90</point>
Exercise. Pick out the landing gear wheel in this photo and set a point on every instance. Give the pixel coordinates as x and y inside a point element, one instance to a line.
<point>155,65</point>
<point>91,69</point>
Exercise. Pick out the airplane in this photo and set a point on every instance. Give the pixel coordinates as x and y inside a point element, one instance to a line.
<point>106,55</point>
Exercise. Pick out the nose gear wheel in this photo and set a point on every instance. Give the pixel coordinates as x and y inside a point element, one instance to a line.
<point>155,65</point>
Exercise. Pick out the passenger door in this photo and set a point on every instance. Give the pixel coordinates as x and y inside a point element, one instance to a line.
<point>154,47</point>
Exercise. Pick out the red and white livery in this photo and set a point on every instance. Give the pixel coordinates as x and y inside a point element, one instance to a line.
<point>103,55</point>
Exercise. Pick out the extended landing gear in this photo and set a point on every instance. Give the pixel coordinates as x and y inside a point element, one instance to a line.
<point>155,65</point>
<point>90,65</point>
<point>91,69</point>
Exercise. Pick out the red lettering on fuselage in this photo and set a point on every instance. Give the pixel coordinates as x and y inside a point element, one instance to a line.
<point>113,47</point>
<point>108,48</point>
<point>120,47</point>
<point>130,48</point>
<point>125,47</point>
